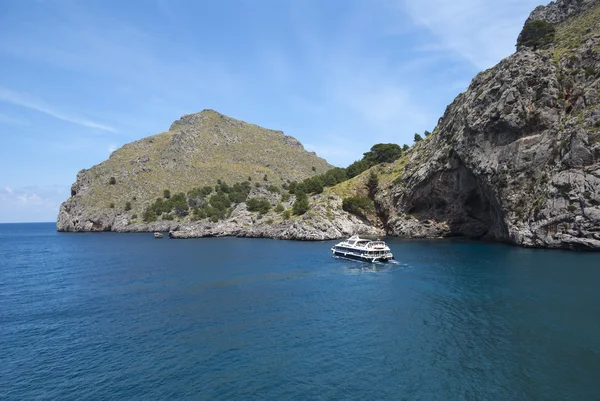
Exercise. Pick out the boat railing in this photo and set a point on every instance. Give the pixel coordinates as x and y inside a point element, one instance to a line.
<point>376,245</point>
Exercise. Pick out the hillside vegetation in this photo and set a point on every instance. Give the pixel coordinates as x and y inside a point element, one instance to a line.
<point>198,150</point>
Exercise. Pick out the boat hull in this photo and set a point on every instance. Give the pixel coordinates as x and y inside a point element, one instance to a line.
<point>363,258</point>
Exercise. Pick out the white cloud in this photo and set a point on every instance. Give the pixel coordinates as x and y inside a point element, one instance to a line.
<point>31,203</point>
<point>27,101</point>
<point>29,199</point>
<point>481,31</point>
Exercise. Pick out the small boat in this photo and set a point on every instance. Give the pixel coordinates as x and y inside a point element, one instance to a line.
<point>363,249</point>
<point>158,235</point>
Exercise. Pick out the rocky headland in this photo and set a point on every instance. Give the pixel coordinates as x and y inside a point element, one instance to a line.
<point>515,158</point>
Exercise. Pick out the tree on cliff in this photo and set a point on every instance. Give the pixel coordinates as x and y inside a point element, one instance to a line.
<point>536,34</point>
<point>383,153</point>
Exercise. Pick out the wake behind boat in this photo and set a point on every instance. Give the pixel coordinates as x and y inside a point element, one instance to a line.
<point>363,249</point>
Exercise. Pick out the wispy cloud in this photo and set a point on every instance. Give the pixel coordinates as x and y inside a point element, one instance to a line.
<point>31,203</point>
<point>366,93</point>
<point>29,102</point>
<point>481,31</point>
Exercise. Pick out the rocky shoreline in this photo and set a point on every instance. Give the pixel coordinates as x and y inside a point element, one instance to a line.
<point>324,221</point>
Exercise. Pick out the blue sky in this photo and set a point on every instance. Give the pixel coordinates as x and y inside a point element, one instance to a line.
<point>80,78</point>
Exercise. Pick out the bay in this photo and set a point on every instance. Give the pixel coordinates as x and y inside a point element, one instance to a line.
<point>126,316</point>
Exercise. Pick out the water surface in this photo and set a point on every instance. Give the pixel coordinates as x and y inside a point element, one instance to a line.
<point>125,316</point>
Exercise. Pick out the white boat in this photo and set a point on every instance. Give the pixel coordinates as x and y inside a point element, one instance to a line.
<point>363,249</point>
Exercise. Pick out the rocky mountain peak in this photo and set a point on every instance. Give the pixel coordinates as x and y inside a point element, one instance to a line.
<point>204,117</point>
<point>559,10</point>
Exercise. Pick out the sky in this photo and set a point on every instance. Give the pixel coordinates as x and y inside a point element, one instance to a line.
<point>81,78</point>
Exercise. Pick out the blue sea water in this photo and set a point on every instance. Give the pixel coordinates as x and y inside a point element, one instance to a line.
<point>126,316</point>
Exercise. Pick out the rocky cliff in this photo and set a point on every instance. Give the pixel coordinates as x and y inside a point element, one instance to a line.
<point>516,157</point>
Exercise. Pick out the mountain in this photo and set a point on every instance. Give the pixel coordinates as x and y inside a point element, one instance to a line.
<point>198,150</point>
<point>516,157</point>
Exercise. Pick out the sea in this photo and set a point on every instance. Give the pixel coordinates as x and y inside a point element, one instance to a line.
<point>107,316</point>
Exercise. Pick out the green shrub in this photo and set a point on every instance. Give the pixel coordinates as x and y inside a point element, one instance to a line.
<point>112,205</point>
<point>313,185</point>
<point>357,205</point>
<point>167,217</point>
<point>176,203</point>
<point>273,189</point>
<point>286,215</point>
<point>536,34</point>
<point>260,205</point>
<point>279,208</point>
<point>418,138</point>
<point>133,216</point>
<point>300,206</point>
<point>166,194</point>
<point>112,181</point>
<point>356,168</point>
<point>239,192</point>
<point>127,206</point>
<point>372,183</point>
<point>220,201</point>
<point>149,215</point>
<point>196,196</point>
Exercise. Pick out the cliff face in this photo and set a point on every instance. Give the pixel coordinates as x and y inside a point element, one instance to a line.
<point>517,156</point>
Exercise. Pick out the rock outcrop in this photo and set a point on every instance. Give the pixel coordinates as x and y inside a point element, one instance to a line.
<point>324,221</point>
<point>516,157</point>
<point>558,11</point>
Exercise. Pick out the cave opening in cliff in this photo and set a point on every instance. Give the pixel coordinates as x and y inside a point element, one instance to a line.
<point>457,198</point>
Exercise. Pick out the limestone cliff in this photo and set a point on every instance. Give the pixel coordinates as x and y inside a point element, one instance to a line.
<point>516,157</point>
